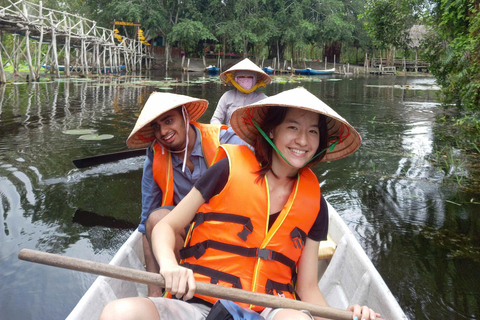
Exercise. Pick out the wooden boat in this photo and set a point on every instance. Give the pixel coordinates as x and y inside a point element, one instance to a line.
<point>310,71</point>
<point>346,274</point>
<point>268,70</point>
<point>62,68</point>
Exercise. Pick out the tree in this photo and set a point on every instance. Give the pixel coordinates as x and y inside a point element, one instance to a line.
<point>388,22</point>
<point>189,33</point>
<point>454,51</point>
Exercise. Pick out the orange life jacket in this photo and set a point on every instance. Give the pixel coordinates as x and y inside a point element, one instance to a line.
<point>162,160</point>
<point>229,242</point>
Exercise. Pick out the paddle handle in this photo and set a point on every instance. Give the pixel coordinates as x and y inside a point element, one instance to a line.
<point>202,288</point>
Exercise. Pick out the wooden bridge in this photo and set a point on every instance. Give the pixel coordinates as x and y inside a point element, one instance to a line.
<point>402,64</point>
<point>96,49</point>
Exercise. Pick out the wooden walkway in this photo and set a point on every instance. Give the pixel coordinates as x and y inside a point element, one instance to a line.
<point>96,49</point>
<point>402,64</point>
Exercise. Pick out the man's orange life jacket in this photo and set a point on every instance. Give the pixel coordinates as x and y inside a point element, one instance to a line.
<point>229,242</point>
<point>162,160</point>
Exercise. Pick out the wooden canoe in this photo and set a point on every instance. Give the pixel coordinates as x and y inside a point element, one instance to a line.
<point>346,277</point>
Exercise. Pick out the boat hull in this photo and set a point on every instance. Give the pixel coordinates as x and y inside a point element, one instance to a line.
<point>268,70</point>
<point>349,277</point>
<point>310,72</point>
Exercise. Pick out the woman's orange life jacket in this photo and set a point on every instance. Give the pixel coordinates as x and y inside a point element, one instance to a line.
<point>229,242</point>
<point>162,159</point>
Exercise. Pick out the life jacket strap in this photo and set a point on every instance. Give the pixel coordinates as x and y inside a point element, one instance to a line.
<point>200,248</point>
<point>201,217</point>
<point>215,275</point>
<point>279,287</point>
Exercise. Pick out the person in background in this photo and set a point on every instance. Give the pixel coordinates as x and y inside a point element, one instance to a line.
<point>179,152</point>
<point>269,243</point>
<point>246,77</point>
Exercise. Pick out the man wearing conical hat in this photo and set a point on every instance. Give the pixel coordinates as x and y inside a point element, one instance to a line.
<point>179,151</point>
<point>246,77</point>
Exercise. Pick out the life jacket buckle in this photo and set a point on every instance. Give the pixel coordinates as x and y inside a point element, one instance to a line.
<point>265,254</point>
<point>247,229</point>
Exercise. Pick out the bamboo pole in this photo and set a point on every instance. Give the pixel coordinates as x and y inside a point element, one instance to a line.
<point>85,58</point>
<point>67,50</point>
<point>104,58</point>
<point>15,56</point>
<point>27,37</point>
<point>202,288</point>
<point>39,56</point>
<point>2,71</point>
<point>54,47</point>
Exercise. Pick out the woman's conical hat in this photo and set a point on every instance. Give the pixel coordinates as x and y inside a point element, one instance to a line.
<point>247,65</point>
<point>338,129</point>
<point>157,104</point>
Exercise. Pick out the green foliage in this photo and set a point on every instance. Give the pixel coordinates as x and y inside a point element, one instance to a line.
<point>388,21</point>
<point>453,51</point>
<point>248,26</point>
<point>189,33</point>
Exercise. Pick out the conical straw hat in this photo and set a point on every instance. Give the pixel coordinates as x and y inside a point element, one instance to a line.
<point>247,65</point>
<point>157,104</point>
<point>338,128</point>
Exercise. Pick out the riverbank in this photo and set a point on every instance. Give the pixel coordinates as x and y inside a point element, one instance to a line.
<point>197,65</point>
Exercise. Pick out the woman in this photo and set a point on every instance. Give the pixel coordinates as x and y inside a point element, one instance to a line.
<point>257,219</point>
<point>246,77</point>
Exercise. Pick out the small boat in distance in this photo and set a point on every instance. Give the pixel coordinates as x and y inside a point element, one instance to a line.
<point>310,71</point>
<point>346,274</point>
<point>268,70</point>
<point>212,69</point>
<point>79,68</point>
<point>62,68</point>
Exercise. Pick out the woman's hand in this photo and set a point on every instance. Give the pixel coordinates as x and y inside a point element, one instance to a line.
<point>179,281</point>
<point>362,313</point>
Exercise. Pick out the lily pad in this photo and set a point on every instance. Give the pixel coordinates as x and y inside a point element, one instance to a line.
<point>96,137</point>
<point>80,131</point>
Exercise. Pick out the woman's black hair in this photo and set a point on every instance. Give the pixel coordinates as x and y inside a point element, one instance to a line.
<point>274,117</point>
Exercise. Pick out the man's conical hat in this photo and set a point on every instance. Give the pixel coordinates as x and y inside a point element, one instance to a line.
<point>157,104</point>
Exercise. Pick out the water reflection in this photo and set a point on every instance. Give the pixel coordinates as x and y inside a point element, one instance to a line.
<point>419,229</point>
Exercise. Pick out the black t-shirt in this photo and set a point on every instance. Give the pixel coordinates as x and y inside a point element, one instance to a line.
<point>216,177</point>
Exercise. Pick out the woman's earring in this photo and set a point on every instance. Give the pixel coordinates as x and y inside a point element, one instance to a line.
<point>270,135</point>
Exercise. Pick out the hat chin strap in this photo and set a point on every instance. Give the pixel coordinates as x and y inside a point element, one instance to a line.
<point>231,79</point>
<point>186,119</point>
<point>330,148</point>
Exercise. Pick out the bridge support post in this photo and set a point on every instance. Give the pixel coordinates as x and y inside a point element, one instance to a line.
<point>2,71</point>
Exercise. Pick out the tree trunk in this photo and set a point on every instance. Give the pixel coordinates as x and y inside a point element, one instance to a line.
<point>166,53</point>
<point>333,49</point>
<point>245,48</point>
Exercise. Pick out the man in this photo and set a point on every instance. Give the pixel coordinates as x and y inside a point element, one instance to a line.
<point>179,151</point>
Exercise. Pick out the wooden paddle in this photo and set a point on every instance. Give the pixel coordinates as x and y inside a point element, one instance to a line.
<point>202,288</point>
<point>106,158</point>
